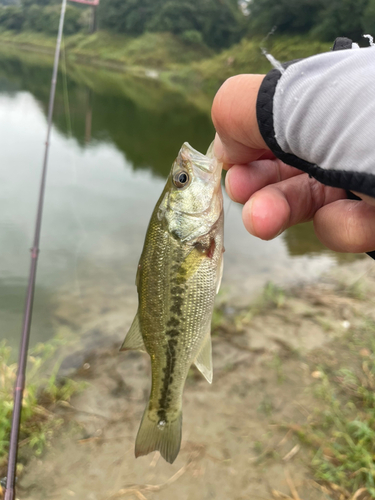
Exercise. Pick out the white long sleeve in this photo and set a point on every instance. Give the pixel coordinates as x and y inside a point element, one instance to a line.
<point>324,110</point>
<point>319,115</point>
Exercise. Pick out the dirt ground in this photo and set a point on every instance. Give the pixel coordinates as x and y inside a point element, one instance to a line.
<point>238,440</point>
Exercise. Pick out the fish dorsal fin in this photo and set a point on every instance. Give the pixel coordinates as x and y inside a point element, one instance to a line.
<point>204,359</point>
<point>133,340</point>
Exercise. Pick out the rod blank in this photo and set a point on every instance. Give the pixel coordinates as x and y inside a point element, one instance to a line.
<point>22,360</point>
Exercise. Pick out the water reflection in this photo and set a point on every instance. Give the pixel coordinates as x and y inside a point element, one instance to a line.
<point>100,194</point>
<point>144,120</point>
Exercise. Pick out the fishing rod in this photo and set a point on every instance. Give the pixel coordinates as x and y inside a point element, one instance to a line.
<point>22,360</point>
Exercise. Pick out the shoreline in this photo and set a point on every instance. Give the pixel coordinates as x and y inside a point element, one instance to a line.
<point>270,359</point>
<point>181,66</point>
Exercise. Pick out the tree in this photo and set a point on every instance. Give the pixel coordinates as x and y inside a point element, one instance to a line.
<point>368,18</point>
<point>12,17</point>
<point>126,16</point>
<point>46,19</point>
<point>341,18</point>
<point>289,16</point>
<point>219,21</point>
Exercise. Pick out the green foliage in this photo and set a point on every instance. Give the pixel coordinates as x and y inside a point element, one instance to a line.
<point>46,19</point>
<point>289,16</point>
<point>343,431</point>
<point>218,21</point>
<point>192,37</point>
<point>341,18</point>
<point>324,20</point>
<point>368,18</point>
<point>126,16</point>
<point>12,17</point>
<point>42,3</point>
<point>38,421</point>
<point>39,17</point>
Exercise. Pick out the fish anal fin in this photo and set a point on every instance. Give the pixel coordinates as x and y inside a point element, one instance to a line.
<point>204,359</point>
<point>164,436</point>
<point>133,340</point>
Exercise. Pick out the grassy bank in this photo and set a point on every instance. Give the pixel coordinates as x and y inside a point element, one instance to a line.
<point>188,67</point>
<point>151,50</point>
<point>336,398</point>
<point>290,414</point>
<point>43,396</point>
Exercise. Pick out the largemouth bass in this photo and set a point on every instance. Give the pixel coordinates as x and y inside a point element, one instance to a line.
<point>179,274</point>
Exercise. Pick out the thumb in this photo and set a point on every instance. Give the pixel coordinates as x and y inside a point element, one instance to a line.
<point>234,117</point>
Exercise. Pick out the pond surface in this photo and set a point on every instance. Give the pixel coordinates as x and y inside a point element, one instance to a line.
<point>113,141</point>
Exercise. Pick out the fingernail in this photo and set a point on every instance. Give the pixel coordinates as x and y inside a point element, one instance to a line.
<point>249,219</point>
<point>227,185</point>
<point>218,147</point>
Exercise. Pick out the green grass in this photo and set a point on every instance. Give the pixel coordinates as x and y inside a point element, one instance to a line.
<point>44,392</point>
<point>189,67</point>
<point>151,50</point>
<point>246,57</point>
<point>342,431</point>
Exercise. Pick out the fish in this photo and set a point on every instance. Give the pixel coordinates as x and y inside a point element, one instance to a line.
<point>178,276</point>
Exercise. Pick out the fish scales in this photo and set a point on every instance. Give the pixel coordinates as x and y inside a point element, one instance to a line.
<point>178,276</point>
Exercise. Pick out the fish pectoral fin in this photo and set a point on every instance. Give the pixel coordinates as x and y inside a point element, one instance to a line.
<point>219,272</point>
<point>204,359</point>
<point>133,340</point>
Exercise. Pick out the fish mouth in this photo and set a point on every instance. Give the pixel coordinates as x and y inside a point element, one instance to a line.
<point>203,162</point>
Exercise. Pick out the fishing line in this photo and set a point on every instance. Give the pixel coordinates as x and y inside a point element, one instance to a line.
<point>370,40</point>
<point>74,170</point>
<point>28,310</point>
<point>275,63</point>
<point>65,91</point>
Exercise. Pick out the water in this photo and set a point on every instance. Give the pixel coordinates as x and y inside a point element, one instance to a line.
<point>113,142</point>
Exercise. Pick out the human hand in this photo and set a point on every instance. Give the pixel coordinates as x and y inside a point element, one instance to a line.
<point>275,195</point>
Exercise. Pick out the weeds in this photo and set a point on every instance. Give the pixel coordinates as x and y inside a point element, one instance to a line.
<point>344,431</point>
<point>272,297</point>
<point>42,394</point>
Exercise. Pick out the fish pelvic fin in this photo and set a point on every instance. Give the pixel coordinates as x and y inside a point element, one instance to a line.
<point>161,435</point>
<point>133,340</point>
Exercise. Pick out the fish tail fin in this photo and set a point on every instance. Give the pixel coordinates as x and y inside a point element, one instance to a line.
<point>164,436</point>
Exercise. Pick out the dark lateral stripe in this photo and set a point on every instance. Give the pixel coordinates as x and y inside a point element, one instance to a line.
<point>165,396</point>
<point>173,322</point>
<point>177,299</point>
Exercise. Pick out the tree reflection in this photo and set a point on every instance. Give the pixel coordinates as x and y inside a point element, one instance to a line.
<point>146,121</point>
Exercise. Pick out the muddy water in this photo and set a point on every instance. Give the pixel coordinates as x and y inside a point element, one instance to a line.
<point>113,141</point>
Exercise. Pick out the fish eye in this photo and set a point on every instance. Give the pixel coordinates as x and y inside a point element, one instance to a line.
<point>181,179</point>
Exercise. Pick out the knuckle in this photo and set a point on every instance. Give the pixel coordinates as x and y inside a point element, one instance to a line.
<point>317,197</point>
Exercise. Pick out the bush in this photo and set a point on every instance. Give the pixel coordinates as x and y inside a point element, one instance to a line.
<point>368,18</point>
<point>192,37</point>
<point>341,18</point>
<point>46,19</point>
<point>12,17</point>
